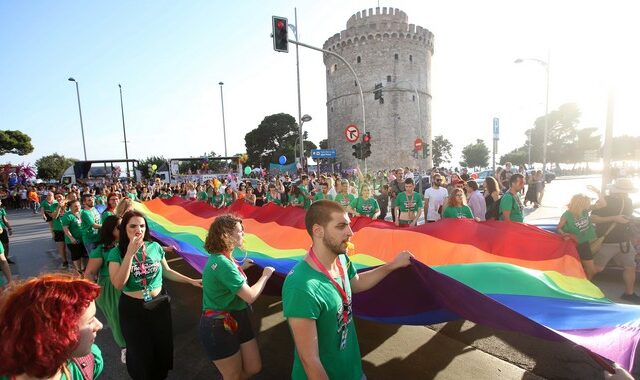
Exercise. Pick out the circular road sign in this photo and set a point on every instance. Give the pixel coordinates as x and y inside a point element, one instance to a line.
<point>352,133</point>
<point>418,144</point>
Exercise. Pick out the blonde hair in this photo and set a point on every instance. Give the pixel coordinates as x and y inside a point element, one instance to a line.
<point>123,206</point>
<point>452,198</point>
<point>578,204</point>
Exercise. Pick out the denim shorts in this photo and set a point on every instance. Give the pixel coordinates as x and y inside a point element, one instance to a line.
<point>220,343</point>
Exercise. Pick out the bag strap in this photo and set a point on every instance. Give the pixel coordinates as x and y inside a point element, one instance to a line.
<point>86,365</point>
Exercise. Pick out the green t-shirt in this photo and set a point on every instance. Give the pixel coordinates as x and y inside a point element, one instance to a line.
<point>307,293</point>
<point>49,207</point>
<point>100,253</point>
<point>463,211</point>
<point>277,200</point>
<point>321,196</point>
<point>513,204</point>
<point>152,265</point>
<point>89,218</point>
<point>296,201</point>
<point>202,196</point>
<point>581,228</point>
<point>3,213</point>
<point>101,199</point>
<point>366,207</point>
<point>305,193</point>
<point>57,222</point>
<point>75,371</point>
<point>216,200</point>
<point>164,196</point>
<point>132,196</point>
<point>74,223</point>
<point>405,205</point>
<point>228,199</point>
<point>3,280</point>
<point>105,215</point>
<point>221,281</point>
<point>344,200</point>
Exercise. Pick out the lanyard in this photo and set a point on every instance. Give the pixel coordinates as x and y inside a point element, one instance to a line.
<point>228,256</point>
<point>143,270</point>
<point>341,290</point>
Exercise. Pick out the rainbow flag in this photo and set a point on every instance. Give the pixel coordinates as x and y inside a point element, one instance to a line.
<point>508,276</point>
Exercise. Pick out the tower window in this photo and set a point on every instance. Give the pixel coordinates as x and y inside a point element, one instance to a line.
<point>414,97</point>
<point>388,78</point>
<point>410,58</point>
<point>396,56</point>
<point>334,67</point>
<point>355,83</point>
<point>358,59</point>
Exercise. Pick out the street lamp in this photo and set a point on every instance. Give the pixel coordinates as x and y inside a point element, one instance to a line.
<point>224,129</point>
<point>303,120</point>
<point>124,131</point>
<point>544,64</point>
<point>84,147</point>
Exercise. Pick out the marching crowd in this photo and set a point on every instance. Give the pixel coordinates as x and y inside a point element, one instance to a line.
<point>124,269</point>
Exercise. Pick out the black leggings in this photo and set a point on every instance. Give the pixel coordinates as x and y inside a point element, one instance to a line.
<point>149,338</point>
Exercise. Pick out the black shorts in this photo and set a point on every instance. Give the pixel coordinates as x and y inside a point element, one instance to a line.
<point>77,251</point>
<point>47,218</point>
<point>58,236</point>
<point>584,251</point>
<point>220,343</point>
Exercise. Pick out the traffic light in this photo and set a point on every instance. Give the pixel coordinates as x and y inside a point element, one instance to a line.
<point>366,145</point>
<point>357,150</point>
<point>377,93</point>
<point>280,39</point>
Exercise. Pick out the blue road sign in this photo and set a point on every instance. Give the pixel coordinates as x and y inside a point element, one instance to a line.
<point>496,128</point>
<point>323,153</point>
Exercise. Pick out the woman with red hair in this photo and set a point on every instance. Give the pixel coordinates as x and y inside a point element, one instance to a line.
<point>58,340</point>
<point>112,203</point>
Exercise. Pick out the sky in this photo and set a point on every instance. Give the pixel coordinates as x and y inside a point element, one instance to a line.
<point>169,57</point>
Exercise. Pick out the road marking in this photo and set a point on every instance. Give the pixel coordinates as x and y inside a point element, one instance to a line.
<point>174,259</point>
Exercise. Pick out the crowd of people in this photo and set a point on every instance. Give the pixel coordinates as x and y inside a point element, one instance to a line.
<point>123,270</point>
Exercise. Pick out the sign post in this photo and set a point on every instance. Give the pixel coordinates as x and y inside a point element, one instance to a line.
<point>496,137</point>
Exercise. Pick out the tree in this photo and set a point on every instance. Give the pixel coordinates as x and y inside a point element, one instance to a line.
<point>441,150</point>
<point>52,167</point>
<point>585,141</point>
<point>15,142</point>
<point>275,136</point>
<point>144,165</point>
<point>518,156</point>
<point>475,155</point>
<point>324,144</point>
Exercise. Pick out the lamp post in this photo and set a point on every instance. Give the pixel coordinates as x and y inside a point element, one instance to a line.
<point>224,129</point>
<point>124,131</point>
<point>294,29</point>
<point>303,119</point>
<point>84,147</point>
<point>544,64</point>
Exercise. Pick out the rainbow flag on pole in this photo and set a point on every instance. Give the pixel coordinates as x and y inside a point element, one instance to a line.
<point>508,276</point>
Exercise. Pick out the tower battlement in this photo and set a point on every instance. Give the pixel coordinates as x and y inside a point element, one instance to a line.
<point>379,23</point>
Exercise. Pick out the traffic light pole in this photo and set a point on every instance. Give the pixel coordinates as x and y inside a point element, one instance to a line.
<point>364,121</point>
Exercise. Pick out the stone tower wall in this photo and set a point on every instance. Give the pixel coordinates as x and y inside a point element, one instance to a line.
<point>375,37</point>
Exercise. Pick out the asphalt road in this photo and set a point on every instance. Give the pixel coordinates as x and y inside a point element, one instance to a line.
<point>454,350</point>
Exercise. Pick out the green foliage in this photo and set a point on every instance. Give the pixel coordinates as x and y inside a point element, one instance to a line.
<point>324,144</point>
<point>15,142</point>
<point>441,150</point>
<point>204,164</point>
<point>518,156</point>
<point>52,167</point>
<point>475,155</point>
<point>275,136</point>
<point>143,165</point>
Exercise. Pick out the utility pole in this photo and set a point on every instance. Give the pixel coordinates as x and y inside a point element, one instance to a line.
<point>124,131</point>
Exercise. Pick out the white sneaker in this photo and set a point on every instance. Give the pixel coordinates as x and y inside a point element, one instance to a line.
<point>123,356</point>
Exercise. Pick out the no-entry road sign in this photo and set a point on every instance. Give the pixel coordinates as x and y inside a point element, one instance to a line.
<point>352,133</point>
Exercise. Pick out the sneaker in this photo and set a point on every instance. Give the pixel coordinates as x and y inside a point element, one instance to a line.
<point>123,356</point>
<point>633,298</point>
<point>65,265</point>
